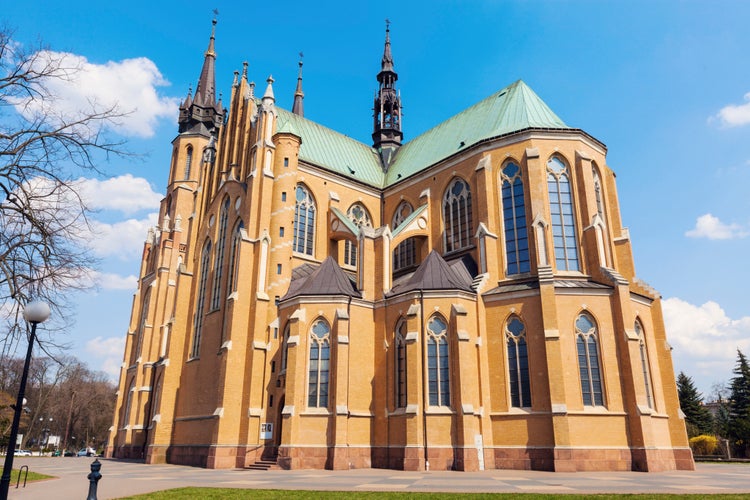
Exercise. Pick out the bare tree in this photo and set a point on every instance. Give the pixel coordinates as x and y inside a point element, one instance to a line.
<point>43,220</point>
<point>65,399</point>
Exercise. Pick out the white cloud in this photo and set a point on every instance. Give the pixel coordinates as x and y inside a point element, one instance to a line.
<point>122,239</point>
<point>129,85</point>
<point>108,351</point>
<point>710,227</point>
<point>112,281</point>
<point>735,115</point>
<point>704,340</point>
<point>125,193</point>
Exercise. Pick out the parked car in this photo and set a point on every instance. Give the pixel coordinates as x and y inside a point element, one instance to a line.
<point>22,453</point>
<point>56,453</point>
<point>69,453</point>
<point>82,453</point>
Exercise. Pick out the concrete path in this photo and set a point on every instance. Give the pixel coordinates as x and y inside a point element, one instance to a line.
<point>122,478</point>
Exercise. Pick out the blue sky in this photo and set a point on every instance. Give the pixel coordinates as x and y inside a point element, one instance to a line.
<point>662,84</point>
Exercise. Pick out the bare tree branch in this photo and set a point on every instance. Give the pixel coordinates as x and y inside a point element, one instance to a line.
<point>44,223</point>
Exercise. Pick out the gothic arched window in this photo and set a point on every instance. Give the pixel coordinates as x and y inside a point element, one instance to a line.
<point>361,217</point>
<point>438,362</point>
<point>285,348</point>
<point>588,361</point>
<point>563,218</point>
<point>219,261</point>
<point>400,364</point>
<point>514,220</point>
<point>319,361</point>
<point>405,253</point>
<point>234,258</point>
<point>304,221</point>
<point>188,161</point>
<point>518,363</point>
<point>198,316</point>
<point>128,404</point>
<point>457,216</point>
<point>598,192</point>
<point>644,362</point>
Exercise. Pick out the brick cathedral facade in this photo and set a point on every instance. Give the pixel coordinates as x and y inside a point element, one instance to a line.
<point>466,299</point>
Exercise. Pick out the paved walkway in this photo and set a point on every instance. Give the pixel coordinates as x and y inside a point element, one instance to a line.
<point>121,478</point>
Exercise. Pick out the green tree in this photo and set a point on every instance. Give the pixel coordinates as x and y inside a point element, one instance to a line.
<point>739,405</point>
<point>698,419</point>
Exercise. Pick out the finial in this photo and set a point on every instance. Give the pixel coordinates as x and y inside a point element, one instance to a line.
<point>299,95</point>
<point>269,89</point>
<point>387,24</point>
<point>234,82</point>
<point>244,70</point>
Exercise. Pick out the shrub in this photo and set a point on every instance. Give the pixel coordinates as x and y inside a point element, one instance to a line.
<point>704,444</point>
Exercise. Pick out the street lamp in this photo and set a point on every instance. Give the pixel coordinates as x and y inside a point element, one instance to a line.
<point>35,312</point>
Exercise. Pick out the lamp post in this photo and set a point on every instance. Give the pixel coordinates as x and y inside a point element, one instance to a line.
<point>35,312</point>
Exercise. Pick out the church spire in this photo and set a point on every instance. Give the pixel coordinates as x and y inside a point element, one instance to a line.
<point>387,134</point>
<point>201,114</point>
<point>205,94</point>
<point>297,107</point>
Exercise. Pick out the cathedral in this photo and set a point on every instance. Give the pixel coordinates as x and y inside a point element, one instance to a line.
<point>462,300</point>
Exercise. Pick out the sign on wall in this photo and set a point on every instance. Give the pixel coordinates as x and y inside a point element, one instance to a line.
<point>266,430</point>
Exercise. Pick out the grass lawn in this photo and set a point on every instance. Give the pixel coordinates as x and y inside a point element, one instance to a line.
<point>33,476</point>
<point>231,493</point>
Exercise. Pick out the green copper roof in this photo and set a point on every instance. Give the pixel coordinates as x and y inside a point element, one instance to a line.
<point>514,108</point>
<point>331,150</point>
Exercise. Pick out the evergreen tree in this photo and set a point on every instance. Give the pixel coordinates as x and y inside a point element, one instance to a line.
<point>698,419</point>
<point>739,404</point>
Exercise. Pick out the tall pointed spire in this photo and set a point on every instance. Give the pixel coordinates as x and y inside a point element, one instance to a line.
<point>387,134</point>
<point>297,107</point>
<point>205,94</point>
<point>201,114</point>
<point>387,63</point>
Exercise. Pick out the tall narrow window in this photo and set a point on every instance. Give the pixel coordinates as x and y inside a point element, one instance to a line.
<point>563,219</point>
<point>304,221</point>
<point>588,361</point>
<point>234,258</point>
<point>514,220</point>
<point>144,320</point>
<point>320,355</point>
<point>198,318</point>
<point>438,373</point>
<point>457,216</point>
<point>400,364</point>
<point>128,404</point>
<point>188,161</point>
<point>219,261</point>
<point>518,363</point>
<point>644,362</point>
<point>285,348</point>
<point>598,192</point>
<point>404,256</point>
<point>361,218</point>
<point>156,399</point>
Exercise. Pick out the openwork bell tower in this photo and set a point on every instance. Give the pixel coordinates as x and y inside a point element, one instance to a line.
<point>387,134</point>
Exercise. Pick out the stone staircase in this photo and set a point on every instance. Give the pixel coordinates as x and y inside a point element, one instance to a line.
<point>264,464</point>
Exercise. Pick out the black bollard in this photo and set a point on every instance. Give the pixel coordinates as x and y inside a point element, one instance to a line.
<point>94,478</point>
